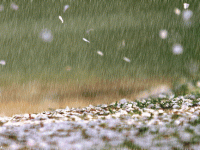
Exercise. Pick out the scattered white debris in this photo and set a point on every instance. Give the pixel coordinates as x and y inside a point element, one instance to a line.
<point>187,14</point>
<point>185,5</point>
<point>61,19</point>
<point>100,53</point>
<point>105,124</point>
<point>146,114</point>
<point>46,35</point>
<point>177,49</point>
<point>31,142</point>
<point>1,7</point>
<point>2,62</point>
<point>177,11</point>
<point>185,137</point>
<point>65,8</point>
<point>126,59</point>
<point>86,40</point>
<point>163,34</point>
<point>14,6</point>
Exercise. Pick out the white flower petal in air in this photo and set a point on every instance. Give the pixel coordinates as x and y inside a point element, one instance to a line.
<point>61,19</point>
<point>2,62</point>
<point>187,14</point>
<point>86,40</point>
<point>1,7</point>
<point>177,11</point>
<point>100,53</point>
<point>89,31</point>
<point>198,84</point>
<point>126,59</point>
<point>177,49</point>
<point>46,35</point>
<point>185,5</point>
<point>163,34</point>
<point>14,6</point>
<point>65,8</point>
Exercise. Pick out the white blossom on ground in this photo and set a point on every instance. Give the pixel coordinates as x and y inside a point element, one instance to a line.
<point>185,137</point>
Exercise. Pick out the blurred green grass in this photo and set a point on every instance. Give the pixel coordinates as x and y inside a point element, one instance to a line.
<point>136,22</point>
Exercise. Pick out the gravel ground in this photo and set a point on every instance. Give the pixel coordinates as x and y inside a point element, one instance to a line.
<point>164,122</point>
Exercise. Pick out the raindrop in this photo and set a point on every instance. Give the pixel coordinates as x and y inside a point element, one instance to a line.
<point>126,59</point>
<point>46,35</point>
<point>86,40</point>
<point>65,8</point>
<point>14,6</point>
<point>163,34</point>
<point>100,53</point>
<point>177,49</point>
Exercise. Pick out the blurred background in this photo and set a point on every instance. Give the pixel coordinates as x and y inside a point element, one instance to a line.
<point>58,53</point>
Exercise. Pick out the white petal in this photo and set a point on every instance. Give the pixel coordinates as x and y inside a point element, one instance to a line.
<point>14,6</point>
<point>66,7</point>
<point>46,35</point>
<point>61,19</point>
<point>187,14</point>
<point>177,11</point>
<point>185,5</point>
<point>126,59</point>
<point>100,53</point>
<point>2,62</point>
<point>86,40</point>
<point>163,34</point>
<point>177,49</point>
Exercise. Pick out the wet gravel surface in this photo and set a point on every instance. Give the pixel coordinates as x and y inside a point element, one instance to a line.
<point>164,122</point>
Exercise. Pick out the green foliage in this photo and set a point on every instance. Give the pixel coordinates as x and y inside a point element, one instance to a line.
<point>28,57</point>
